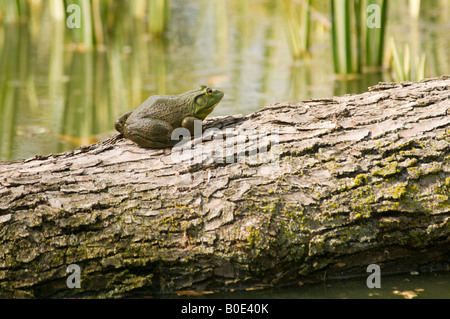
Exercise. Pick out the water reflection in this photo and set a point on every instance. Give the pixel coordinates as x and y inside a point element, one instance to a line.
<point>57,93</point>
<point>434,285</point>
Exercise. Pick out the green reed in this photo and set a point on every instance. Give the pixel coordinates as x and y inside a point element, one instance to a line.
<point>346,58</point>
<point>408,63</point>
<point>298,22</point>
<point>13,11</point>
<point>374,33</point>
<point>403,68</point>
<point>357,32</point>
<point>158,16</point>
<point>358,29</point>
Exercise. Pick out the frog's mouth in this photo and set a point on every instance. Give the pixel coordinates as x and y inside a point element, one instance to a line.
<point>204,112</point>
<point>212,106</point>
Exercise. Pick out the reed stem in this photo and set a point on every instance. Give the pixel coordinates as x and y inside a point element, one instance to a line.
<point>298,24</point>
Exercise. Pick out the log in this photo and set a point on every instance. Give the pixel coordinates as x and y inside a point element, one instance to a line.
<point>317,189</point>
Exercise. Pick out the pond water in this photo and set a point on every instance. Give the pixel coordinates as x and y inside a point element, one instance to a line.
<point>435,285</point>
<point>56,94</point>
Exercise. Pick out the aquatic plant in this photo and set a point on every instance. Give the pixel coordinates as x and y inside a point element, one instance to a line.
<point>297,23</point>
<point>358,29</point>
<point>403,68</point>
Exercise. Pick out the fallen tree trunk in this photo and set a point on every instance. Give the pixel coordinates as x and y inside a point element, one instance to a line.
<point>345,182</point>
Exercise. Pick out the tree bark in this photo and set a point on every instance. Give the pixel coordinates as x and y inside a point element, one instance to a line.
<point>346,182</point>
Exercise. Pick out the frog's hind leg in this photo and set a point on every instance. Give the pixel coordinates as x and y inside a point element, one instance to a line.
<point>150,133</point>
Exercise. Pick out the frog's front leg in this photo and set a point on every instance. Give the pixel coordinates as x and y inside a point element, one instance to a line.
<point>147,132</point>
<point>189,123</point>
<point>120,122</point>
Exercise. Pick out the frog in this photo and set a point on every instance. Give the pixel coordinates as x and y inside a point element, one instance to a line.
<point>152,123</point>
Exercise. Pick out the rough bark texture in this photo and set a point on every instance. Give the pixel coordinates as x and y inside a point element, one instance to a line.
<point>360,179</point>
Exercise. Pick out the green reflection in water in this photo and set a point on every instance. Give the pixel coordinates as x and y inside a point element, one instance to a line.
<point>433,285</point>
<point>59,90</point>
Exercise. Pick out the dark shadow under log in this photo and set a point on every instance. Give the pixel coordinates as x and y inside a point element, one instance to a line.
<point>320,188</point>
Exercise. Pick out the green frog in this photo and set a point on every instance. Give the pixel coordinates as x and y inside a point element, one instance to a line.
<point>152,123</point>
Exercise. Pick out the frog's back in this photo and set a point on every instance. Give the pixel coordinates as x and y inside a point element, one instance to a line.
<point>169,108</point>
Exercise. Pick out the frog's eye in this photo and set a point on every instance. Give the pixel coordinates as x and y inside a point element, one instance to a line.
<point>209,91</point>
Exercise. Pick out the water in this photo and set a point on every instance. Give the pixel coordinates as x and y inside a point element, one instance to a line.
<point>435,285</point>
<point>56,95</point>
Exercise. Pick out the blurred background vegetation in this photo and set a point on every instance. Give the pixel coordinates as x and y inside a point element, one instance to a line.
<point>63,87</point>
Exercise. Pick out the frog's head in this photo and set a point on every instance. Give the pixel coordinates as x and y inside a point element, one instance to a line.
<point>204,101</point>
